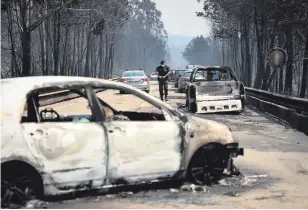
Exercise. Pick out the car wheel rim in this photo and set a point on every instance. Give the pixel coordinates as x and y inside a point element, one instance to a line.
<point>207,167</point>
<point>16,192</point>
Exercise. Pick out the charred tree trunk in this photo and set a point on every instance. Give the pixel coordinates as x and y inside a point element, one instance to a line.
<point>100,55</point>
<point>248,69</point>
<point>260,45</point>
<point>266,83</point>
<point>88,53</point>
<point>289,69</point>
<point>242,70</point>
<point>56,52</point>
<point>26,51</point>
<point>303,89</point>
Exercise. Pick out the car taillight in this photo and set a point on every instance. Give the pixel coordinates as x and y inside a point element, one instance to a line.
<point>122,80</point>
<point>183,79</point>
<point>145,79</point>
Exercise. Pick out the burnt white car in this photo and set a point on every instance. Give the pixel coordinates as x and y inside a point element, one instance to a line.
<point>46,153</point>
<point>184,80</point>
<point>214,89</point>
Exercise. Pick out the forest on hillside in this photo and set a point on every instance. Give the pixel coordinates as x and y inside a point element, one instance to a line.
<point>97,38</point>
<point>243,32</point>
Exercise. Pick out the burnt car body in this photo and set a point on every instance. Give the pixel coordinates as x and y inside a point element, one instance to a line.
<point>184,80</point>
<point>59,154</point>
<point>179,74</point>
<point>214,89</point>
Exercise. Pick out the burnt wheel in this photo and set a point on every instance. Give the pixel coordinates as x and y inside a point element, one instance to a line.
<point>207,165</point>
<point>17,191</point>
<point>17,188</point>
<point>193,107</point>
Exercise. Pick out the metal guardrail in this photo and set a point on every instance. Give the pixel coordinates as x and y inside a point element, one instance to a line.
<point>298,104</point>
<point>292,110</point>
<point>60,96</point>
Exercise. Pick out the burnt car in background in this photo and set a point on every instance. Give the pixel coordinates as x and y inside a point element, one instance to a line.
<point>178,75</point>
<point>172,75</point>
<point>53,152</point>
<point>184,80</point>
<point>214,89</point>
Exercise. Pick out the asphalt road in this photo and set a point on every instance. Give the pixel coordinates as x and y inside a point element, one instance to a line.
<point>274,168</point>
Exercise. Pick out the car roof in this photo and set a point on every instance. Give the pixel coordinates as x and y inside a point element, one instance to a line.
<point>15,90</point>
<point>133,70</point>
<point>208,67</point>
<point>212,67</point>
<point>33,82</point>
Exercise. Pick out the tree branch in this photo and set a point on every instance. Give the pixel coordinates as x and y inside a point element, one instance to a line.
<point>38,22</point>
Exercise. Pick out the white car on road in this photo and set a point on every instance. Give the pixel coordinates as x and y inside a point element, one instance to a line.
<point>136,78</point>
<point>184,80</point>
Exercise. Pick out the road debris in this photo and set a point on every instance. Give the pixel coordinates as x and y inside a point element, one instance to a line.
<point>181,105</point>
<point>110,196</point>
<point>232,194</point>
<point>237,181</point>
<point>257,176</point>
<point>174,190</point>
<point>193,188</point>
<point>36,204</point>
<point>125,194</point>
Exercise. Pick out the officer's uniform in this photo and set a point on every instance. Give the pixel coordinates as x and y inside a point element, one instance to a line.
<point>163,82</point>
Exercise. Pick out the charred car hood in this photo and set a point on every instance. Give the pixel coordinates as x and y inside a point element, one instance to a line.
<point>203,130</point>
<point>217,88</point>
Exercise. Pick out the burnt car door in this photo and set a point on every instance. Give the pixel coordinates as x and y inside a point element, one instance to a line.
<point>71,148</point>
<point>142,150</point>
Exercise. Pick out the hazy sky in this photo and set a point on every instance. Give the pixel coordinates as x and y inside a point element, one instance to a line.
<point>179,17</point>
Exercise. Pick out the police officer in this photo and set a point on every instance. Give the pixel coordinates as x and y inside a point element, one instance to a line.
<point>163,71</point>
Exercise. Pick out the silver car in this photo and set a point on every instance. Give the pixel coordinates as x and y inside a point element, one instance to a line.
<point>184,80</point>
<point>137,79</point>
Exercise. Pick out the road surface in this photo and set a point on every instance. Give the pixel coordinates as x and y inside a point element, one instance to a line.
<point>275,166</point>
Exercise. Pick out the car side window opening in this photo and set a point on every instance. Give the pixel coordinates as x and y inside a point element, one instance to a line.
<point>39,108</point>
<point>187,74</point>
<point>127,107</point>
<point>213,75</point>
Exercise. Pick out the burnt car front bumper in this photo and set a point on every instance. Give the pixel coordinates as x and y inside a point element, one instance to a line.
<point>234,150</point>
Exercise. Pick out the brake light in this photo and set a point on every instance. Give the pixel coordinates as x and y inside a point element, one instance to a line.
<point>122,80</point>
<point>145,79</point>
<point>183,79</point>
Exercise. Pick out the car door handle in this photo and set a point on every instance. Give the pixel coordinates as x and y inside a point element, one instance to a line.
<point>118,129</point>
<point>38,132</point>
